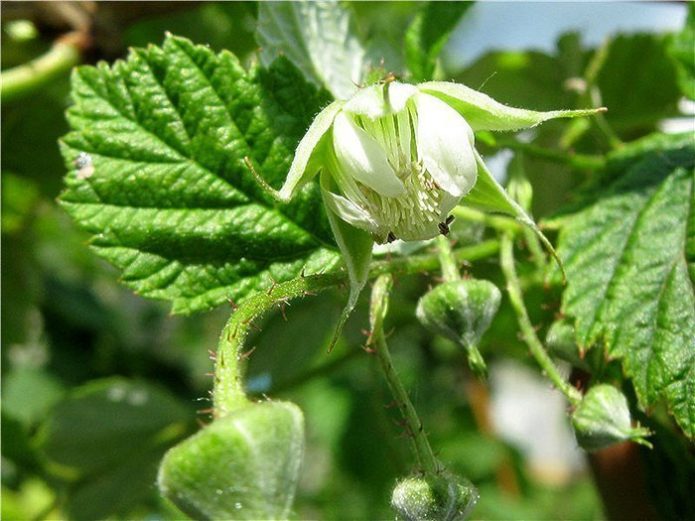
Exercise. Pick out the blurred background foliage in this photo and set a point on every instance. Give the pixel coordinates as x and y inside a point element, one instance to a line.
<point>81,354</point>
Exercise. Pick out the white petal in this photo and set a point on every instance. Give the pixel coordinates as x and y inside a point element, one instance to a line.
<point>371,102</point>
<point>302,170</point>
<point>360,156</point>
<point>444,145</point>
<point>447,204</point>
<point>349,211</point>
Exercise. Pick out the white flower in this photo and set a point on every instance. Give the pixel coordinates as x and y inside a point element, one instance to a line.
<point>398,159</point>
<point>395,159</point>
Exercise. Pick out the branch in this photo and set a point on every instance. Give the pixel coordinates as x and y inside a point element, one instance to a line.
<point>25,79</point>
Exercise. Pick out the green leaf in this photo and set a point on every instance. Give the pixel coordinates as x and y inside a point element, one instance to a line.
<point>109,435</point>
<point>638,83</point>
<point>428,33</point>
<point>681,50</point>
<point>169,199</point>
<point>630,262</point>
<point>318,37</point>
<point>484,113</point>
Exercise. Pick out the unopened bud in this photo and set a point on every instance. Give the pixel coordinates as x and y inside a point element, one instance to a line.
<point>434,498</point>
<point>603,418</point>
<point>462,311</point>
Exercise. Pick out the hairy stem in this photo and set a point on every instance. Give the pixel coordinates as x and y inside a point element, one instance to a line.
<point>450,270</point>
<point>527,330</point>
<point>228,389</point>
<point>412,424</point>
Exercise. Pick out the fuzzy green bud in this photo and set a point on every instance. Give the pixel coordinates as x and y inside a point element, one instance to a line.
<point>242,466</point>
<point>462,311</point>
<point>602,419</point>
<point>433,498</point>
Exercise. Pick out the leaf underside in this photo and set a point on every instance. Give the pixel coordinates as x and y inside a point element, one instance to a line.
<point>169,200</point>
<point>630,261</point>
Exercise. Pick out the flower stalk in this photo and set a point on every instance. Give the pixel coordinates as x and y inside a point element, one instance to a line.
<point>414,428</point>
<point>527,330</point>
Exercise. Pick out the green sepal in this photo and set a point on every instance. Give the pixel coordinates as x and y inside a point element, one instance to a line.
<point>489,196</point>
<point>356,248</point>
<point>242,466</point>
<point>484,113</point>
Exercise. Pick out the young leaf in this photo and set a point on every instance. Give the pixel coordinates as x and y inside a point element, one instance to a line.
<point>169,199</point>
<point>318,37</point>
<point>427,35</point>
<point>630,261</point>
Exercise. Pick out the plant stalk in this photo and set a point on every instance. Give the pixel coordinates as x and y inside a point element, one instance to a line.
<point>24,79</point>
<point>412,424</point>
<point>527,330</point>
<point>450,270</point>
<point>228,389</point>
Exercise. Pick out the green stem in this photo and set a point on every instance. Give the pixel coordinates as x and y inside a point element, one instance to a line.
<point>535,248</point>
<point>450,270</point>
<point>228,391</point>
<point>24,79</point>
<point>420,445</point>
<point>493,221</point>
<point>578,161</point>
<point>527,330</point>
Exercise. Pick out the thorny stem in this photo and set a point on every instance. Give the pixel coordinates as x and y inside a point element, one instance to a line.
<point>450,271</point>
<point>228,389</point>
<point>527,330</point>
<point>26,78</point>
<point>420,445</point>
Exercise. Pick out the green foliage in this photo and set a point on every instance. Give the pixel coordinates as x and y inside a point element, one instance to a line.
<point>630,261</point>
<point>171,202</point>
<point>682,50</point>
<point>158,178</point>
<point>106,439</point>
<point>427,35</point>
<point>318,37</point>
<point>636,102</point>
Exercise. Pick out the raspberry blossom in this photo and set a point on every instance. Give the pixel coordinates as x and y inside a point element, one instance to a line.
<point>396,161</point>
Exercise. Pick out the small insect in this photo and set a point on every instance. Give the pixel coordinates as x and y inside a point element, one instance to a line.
<point>391,237</point>
<point>444,226</point>
<point>83,163</point>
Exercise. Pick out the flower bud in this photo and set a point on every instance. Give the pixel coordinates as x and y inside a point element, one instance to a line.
<point>462,311</point>
<point>603,418</point>
<point>242,466</point>
<point>433,498</point>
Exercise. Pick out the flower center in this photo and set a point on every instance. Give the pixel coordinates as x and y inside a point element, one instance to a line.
<point>413,216</point>
<point>416,214</point>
